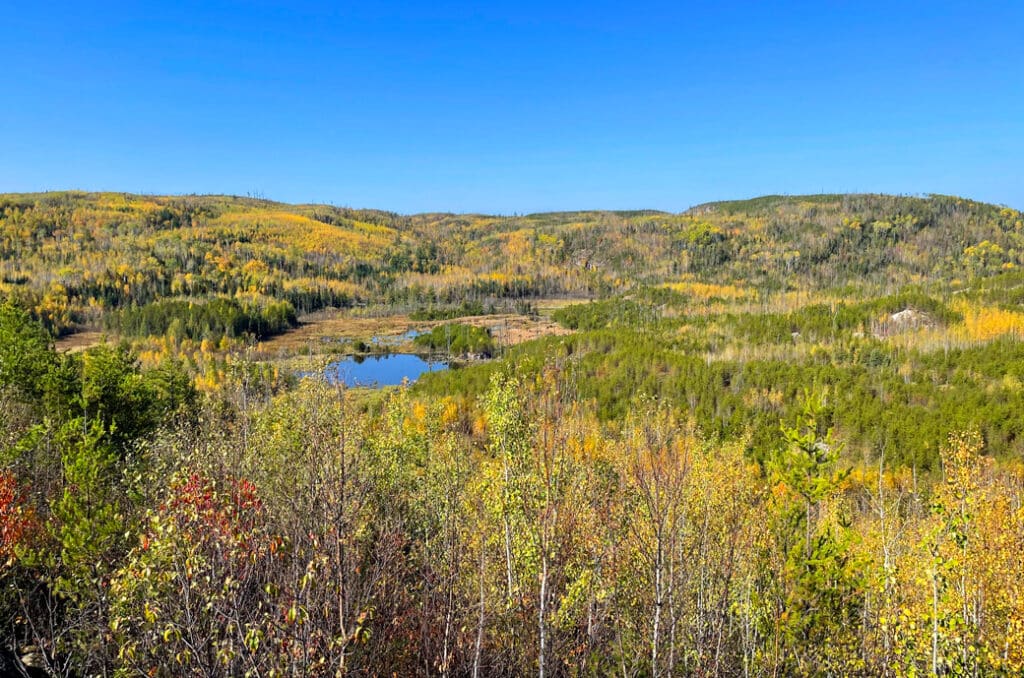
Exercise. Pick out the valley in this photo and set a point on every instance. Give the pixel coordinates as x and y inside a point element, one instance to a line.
<point>779,436</point>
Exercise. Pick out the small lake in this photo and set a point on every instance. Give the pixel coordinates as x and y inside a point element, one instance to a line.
<point>380,370</point>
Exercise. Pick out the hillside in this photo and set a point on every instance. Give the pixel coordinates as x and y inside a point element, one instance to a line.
<point>779,436</point>
<point>767,296</point>
<point>77,257</point>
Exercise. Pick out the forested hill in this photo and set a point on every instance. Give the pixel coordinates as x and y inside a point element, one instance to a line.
<point>75,257</point>
<point>777,437</point>
<point>828,239</point>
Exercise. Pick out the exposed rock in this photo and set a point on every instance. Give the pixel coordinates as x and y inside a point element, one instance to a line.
<point>909,317</point>
<point>903,321</point>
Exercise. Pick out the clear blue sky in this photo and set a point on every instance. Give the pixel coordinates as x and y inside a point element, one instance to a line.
<point>514,106</point>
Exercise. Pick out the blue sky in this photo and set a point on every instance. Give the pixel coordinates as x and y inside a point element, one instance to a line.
<point>514,107</point>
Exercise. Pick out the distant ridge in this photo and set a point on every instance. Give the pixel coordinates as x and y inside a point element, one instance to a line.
<point>76,256</point>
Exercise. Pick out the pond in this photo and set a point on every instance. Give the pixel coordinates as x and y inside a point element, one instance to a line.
<point>380,370</point>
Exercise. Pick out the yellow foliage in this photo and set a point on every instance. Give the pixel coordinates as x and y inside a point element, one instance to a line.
<point>985,323</point>
<point>449,411</point>
<point>702,290</point>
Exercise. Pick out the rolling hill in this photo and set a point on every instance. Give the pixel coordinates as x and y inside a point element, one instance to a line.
<point>75,258</point>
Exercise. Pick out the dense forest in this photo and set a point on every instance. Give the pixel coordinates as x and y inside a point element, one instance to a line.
<point>780,436</point>
<point>75,257</point>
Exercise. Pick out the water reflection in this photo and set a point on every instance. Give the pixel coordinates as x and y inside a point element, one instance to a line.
<point>380,370</point>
